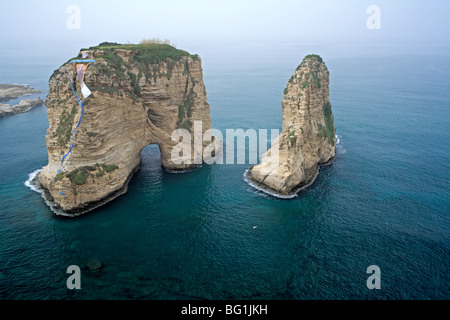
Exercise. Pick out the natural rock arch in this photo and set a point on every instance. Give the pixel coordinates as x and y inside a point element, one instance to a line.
<point>140,95</point>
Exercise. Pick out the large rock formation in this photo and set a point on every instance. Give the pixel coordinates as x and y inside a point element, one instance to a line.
<point>308,135</point>
<point>140,95</point>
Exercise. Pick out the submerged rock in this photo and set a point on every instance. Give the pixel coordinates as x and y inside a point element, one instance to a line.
<point>94,265</point>
<point>308,136</point>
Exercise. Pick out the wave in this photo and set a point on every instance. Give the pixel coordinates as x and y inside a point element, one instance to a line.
<point>339,147</point>
<point>265,190</point>
<point>33,183</point>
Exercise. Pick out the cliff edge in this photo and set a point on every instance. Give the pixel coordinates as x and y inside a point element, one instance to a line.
<point>308,137</point>
<point>140,95</point>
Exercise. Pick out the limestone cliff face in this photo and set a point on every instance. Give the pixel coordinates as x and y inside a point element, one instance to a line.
<point>308,134</point>
<point>140,95</point>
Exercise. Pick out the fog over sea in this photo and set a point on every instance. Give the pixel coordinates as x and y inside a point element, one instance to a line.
<point>384,201</point>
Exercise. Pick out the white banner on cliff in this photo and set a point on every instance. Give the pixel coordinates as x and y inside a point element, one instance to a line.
<point>85,90</point>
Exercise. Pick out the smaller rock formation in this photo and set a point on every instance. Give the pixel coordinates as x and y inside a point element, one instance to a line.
<point>15,91</point>
<point>308,136</point>
<point>24,106</point>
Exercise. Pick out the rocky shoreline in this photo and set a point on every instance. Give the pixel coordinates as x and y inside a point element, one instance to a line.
<point>22,107</point>
<point>15,91</point>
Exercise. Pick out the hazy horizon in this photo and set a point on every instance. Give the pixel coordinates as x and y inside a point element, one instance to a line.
<point>45,22</point>
<point>226,33</point>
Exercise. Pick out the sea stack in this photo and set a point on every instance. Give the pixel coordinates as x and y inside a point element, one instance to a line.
<point>308,137</point>
<point>140,95</point>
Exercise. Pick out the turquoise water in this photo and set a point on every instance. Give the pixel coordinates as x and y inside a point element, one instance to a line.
<point>384,201</point>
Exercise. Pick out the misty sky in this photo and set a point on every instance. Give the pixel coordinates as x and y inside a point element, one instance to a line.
<point>189,21</point>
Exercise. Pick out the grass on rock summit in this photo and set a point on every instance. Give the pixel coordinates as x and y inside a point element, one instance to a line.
<point>150,53</point>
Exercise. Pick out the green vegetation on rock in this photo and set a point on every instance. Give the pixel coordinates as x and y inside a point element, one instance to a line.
<point>92,134</point>
<point>150,53</point>
<point>310,57</point>
<point>146,57</point>
<point>59,176</point>
<point>305,84</point>
<point>311,78</point>
<point>294,76</point>
<point>100,173</point>
<point>185,112</point>
<point>327,131</point>
<point>313,57</point>
<point>109,168</point>
<point>291,137</point>
<point>80,175</point>
<point>115,62</point>
<point>64,129</point>
<point>109,90</point>
<point>55,73</point>
<point>135,86</point>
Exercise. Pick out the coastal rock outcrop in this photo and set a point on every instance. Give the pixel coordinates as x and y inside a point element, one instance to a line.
<point>140,95</point>
<point>308,136</point>
<point>14,91</point>
<point>23,106</point>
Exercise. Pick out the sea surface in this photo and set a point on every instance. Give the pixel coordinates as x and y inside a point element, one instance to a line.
<point>207,234</point>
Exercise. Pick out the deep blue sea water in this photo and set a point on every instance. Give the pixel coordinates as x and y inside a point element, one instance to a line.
<point>384,201</point>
